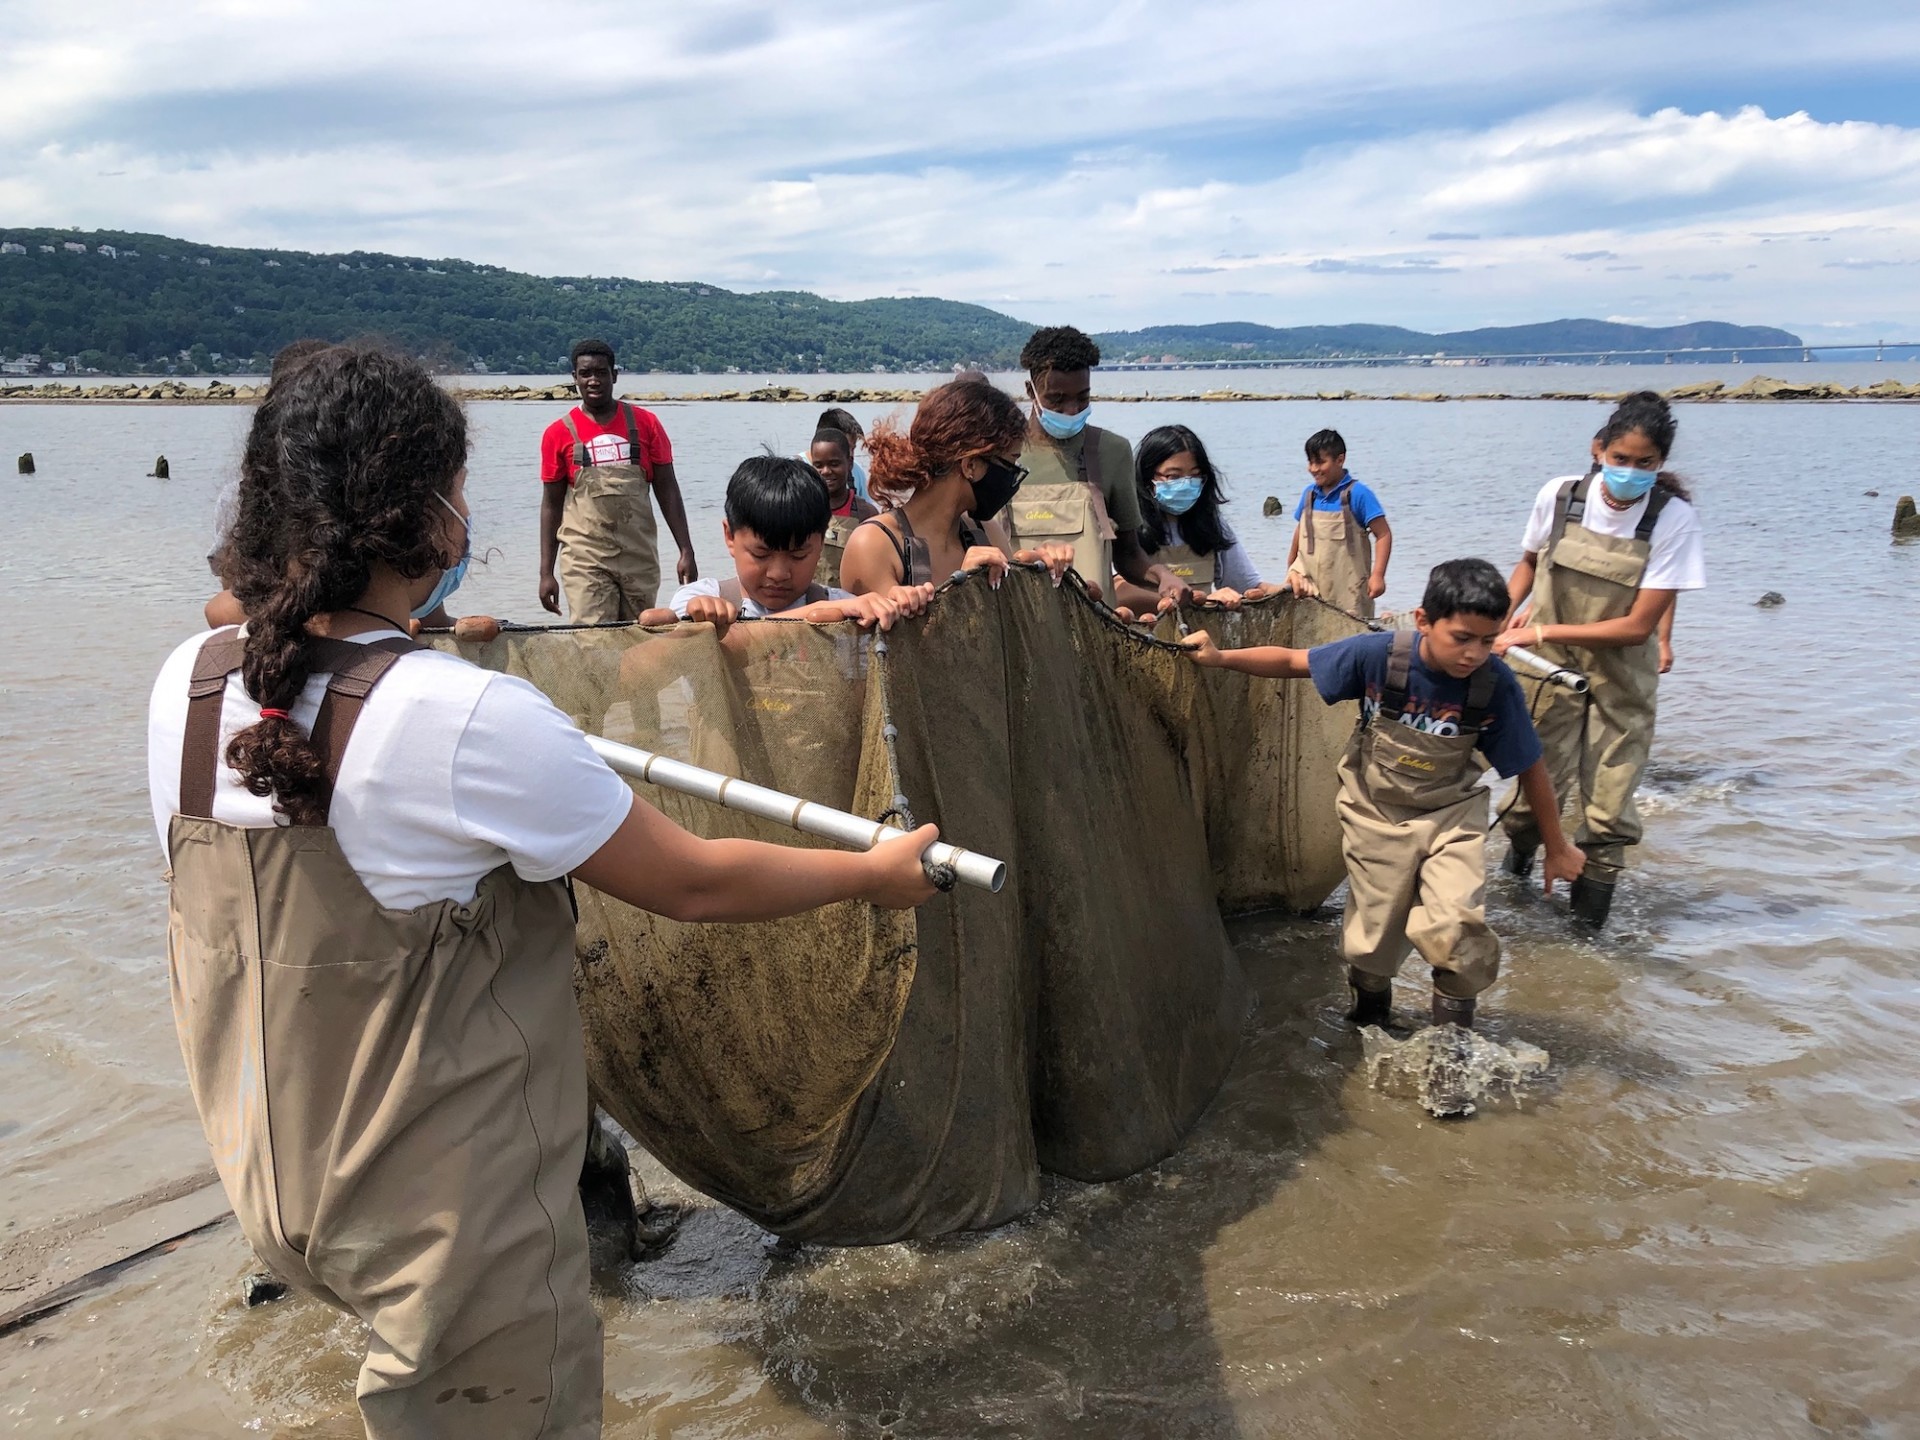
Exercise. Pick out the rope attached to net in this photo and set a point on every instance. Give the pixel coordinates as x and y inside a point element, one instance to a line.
<point>943,875</point>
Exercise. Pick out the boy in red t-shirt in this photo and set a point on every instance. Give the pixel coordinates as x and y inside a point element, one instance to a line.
<point>602,466</point>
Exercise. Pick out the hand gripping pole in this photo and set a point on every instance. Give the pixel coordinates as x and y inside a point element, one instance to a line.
<point>803,815</point>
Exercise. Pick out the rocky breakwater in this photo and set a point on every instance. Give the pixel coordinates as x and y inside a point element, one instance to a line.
<point>166,392</point>
<point>1760,388</point>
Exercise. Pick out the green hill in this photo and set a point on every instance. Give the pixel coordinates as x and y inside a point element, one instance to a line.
<point>157,297</point>
<point>1554,337</point>
<point>150,303</point>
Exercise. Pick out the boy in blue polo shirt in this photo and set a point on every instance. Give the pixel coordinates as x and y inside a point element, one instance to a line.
<point>1436,709</point>
<point>1341,542</point>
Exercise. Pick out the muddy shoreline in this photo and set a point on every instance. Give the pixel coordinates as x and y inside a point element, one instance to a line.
<point>1760,388</point>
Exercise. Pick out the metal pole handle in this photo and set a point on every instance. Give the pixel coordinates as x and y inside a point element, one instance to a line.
<point>1548,671</point>
<point>942,862</point>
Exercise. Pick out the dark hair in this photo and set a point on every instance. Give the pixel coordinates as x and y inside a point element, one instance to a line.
<point>780,499</point>
<point>293,354</point>
<point>1201,527</point>
<point>342,469</point>
<point>1325,442</point>
<point>1466,587</point>
<point>828,435</point>
<point>953,422</point>
<point>1058,347</point>
<point>1648,412</point>
<point>841,420</point>
<point>590,347</point>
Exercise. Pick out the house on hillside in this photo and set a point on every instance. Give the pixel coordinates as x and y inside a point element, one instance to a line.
<point>7,247</point>
<point>109,252</point>
<point>46,250</point>
<point>73,247</point>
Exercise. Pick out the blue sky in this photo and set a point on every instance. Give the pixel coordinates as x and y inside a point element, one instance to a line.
<point>1117,164</point>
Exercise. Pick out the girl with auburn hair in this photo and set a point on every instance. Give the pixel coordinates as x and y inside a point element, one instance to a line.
<point>1604,558</point>
<point>370,929</point>
<point>946,478</point>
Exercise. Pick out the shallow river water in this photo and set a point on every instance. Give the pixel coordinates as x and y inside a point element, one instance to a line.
<point>1705,1223</point>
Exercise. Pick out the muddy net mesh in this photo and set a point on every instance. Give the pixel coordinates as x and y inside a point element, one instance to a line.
<point>860,1076</point>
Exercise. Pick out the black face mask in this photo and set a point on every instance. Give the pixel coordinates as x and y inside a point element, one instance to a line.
<point>993,490</point>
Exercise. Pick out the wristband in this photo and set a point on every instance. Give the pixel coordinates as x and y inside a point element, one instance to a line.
<point>1539,635</point>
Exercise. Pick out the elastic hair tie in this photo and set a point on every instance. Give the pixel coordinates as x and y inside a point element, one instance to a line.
<point>267,712</point>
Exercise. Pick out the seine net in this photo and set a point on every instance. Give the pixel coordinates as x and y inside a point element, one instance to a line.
<point>859,1076</point>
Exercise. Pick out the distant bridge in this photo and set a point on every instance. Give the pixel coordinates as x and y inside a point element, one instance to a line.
<point>1717,353</point>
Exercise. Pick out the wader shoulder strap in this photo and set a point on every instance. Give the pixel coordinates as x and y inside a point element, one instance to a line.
<point>633,442</point>
<point>1306,515</point>
<point>903,545</point>
<point>1096,492</point>
<point>1656,502</point>
<point>580,460</point>
<point>972,532</point>
<point>219,657</point>
<point>352,671</point>
<point>1568,506</point>
<point>1393,695</point>
<point>1479,700</point>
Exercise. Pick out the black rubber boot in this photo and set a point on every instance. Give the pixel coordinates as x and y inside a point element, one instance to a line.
<point>1372,998</point>
<point>1451,1010</point>
<point>1591,901</point>
<point>1520,853</point>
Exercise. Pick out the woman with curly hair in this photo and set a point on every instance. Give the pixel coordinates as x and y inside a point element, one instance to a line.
<point>947,476</point>
<point>370,929</point>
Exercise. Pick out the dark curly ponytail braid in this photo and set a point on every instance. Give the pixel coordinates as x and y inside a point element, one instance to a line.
<point>339,475</point>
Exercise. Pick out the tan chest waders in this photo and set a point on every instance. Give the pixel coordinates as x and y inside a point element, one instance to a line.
<point>839,530</point>
<point>1413,824</point>
<point>1061,502</point>
<point>396,1099</point>
<point>1597,744</point>
<point>1336,552</point>
<point>912,551</point>
<point>609,553</point>
<point>1189,564</point>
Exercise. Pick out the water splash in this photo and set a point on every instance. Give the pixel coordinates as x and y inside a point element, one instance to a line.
<point>1449,1070</point>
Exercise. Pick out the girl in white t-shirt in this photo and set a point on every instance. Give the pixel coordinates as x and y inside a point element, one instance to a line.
<point>370,934</point>
<point>1604,556</point>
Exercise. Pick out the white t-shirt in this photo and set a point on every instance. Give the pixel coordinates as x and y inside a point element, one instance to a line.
<point>452,771</point>
<point>1233,568</point>
<point>750,608</point>
<point>1679,558</point>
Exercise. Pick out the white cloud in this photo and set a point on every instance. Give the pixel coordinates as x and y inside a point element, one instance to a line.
<point>1112,164</point>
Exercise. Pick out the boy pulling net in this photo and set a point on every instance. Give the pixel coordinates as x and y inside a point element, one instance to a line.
<point>1436,709</point>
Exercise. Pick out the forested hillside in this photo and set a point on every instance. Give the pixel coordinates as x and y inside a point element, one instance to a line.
<point>150,298</point>
<point>122,302</point>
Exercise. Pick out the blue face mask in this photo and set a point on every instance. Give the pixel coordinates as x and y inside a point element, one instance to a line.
<point>1177,497</point>
<point>1062,427</point>
<point>449,579</point>
<point>1626,484</point>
